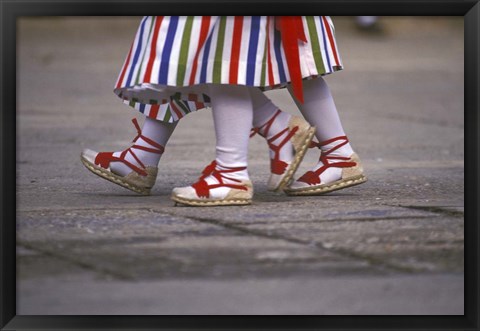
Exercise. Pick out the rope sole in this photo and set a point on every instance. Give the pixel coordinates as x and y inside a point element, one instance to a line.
<point>322,189</point>
<point>211,203</point>
<point>287,179</point>
<point>108,175</point>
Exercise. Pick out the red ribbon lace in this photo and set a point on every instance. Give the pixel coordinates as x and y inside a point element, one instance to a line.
<point>202,188</point>
<point>313,177</point>
<point>103,159</point>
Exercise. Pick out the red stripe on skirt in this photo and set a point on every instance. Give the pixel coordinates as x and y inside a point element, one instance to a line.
<point>153,50</point>
<point>235,54</point>
<point>154,111</point>
<point>124,70</point>
<point>269,55</point>
<point>201,40</point>
<point>330,38</point>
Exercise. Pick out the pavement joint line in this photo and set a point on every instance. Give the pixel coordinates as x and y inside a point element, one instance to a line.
<point>81,209</point>
<point>153,210</point>
<point>109,241</point>
<point>81,264</point>
<point>436,242</point>
<point>366,219</point>
<point>374,262</point>
<point>320,245</point>
<point>437,210</point>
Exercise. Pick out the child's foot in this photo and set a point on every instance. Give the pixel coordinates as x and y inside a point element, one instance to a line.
<point>126,168</point>
<point>334,171</point>
<point>218,186</point>
<point>288,143</point>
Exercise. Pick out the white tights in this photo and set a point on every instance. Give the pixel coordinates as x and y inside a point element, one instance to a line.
<point>232,117</point>
<point>159,132</point>
<point>235,109</point>
<point>320,111</point>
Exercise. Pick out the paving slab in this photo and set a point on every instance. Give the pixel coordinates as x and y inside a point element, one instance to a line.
<point>406,295</point>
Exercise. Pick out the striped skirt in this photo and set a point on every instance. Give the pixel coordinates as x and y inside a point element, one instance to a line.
<point>172,58</point>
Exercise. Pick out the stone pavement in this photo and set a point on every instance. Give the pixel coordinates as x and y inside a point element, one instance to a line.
<point>393,245</point>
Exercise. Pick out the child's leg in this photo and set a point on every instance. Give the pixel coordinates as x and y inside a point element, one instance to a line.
<point>338,160</point>
<point>152,130</point>
<point>287,136</point>
<point>226,180</point>
<point>136,167</point>
<point>264,110</point>
<point>232,117</point>
<point>320,111</point>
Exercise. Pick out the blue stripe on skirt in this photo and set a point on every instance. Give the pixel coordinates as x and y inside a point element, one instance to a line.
<point>167,50</point>
<point>325,43</point>
<point>137,53</point>
<point>252,49</point>
<point>278,54</point>
<point>203,70</point>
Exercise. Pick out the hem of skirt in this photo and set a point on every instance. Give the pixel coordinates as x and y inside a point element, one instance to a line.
<point>175,108</point>
<point>170,111</point>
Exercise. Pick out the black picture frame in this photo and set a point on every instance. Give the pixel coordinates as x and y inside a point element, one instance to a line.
<point>10,10</point>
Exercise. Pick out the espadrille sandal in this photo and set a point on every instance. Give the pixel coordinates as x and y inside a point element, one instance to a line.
<point>140,180</point>
<point>351,175</point>
<point>199,194</point>
<point>300,134</point>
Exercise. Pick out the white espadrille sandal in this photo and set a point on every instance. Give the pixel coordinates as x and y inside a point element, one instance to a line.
<point>140,180</point>
<point>351,173</point>
<point>211,189</point>
<point>300,134</point>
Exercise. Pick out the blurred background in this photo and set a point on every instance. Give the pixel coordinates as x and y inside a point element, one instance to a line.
<point>393,245</point>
